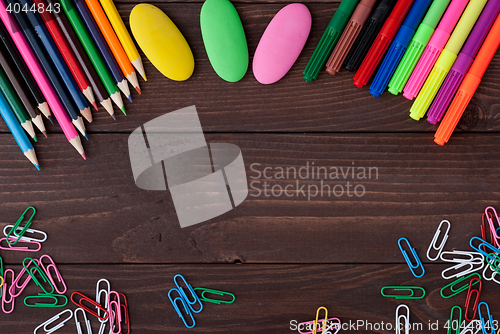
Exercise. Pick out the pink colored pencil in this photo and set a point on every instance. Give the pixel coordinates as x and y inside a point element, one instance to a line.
<point>40,78</point>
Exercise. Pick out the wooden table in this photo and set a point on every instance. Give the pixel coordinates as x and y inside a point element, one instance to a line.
<point>282,256</point>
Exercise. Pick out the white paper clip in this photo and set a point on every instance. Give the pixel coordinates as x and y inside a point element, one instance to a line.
<point>439,248</point>
<point>474,257</point>
<point>400,325</point>
<point>87,322</point>
<point>51,320</point>
<point>460,265</point>
<point>101,296</point>
<point>24,237</point>
<point>470,329</point>
<point>493,273</point>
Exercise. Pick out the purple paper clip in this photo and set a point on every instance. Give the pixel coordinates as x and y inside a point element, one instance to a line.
<point>114,315</point>
<point>56,272</point>
<point>310,324</point>
<point>6,290</point>
<point>18,278</point>
<point>20,249</point>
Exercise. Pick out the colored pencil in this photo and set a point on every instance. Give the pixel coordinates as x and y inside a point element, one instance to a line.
<point>42,81</point>
<point>99,90</point>
<point>16,105</point>
<point>113,43</point>
<point>92,52</point>
<point>27,77</point>
<point>123,35</point>
<point>67,53</point>
<point>91,26</point>
<point>47,66</point>
<point>54,54</point>
<point>18,133</point>
<point>27,102</point>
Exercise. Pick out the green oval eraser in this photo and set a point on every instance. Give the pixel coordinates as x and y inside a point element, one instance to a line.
<point>224,39</point>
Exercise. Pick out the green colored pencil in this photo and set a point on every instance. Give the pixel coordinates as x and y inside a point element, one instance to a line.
<point>92,52</point>
<point>16,104</point>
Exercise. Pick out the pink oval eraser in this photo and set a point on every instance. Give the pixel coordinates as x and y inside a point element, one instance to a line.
<point>281,43</point>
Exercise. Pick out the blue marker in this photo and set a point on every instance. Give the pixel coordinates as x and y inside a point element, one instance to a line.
<point>17,131</point>
<point>398,46</point>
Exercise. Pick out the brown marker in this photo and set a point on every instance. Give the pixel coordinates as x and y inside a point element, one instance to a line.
<point>351,32</point>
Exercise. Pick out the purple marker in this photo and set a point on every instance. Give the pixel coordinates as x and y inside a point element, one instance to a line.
<point>463,62</point>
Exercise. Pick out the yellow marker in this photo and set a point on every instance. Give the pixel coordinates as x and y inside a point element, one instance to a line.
<point>446,59</point>
<point>162,42</point>
<point>123,35</point>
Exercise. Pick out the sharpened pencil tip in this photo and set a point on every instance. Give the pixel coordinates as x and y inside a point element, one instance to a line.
<point>130,98</point>
<point>50,119</point>
<point>95,105</point>
<point>44,133</point>
<point>144,77</point>
<point>34,138</point>
<point>86,137</point>
<point>123,111</point>
<point>138,90</point>
<point>37,167</point>
<point>83,156</point>
<point>114,118</point>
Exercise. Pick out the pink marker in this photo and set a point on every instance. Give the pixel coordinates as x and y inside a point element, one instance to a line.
<point>434,48</point>
<point>40,78</point>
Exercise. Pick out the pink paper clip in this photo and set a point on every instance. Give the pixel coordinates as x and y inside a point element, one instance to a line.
<point>6,290</point>
<point>20,249</point>
<point>18,278</point>
<point>56,272</point>
<point>492,218</point>
<point>117,313</point>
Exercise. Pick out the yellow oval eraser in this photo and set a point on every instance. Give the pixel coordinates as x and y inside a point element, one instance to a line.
<point>162,42</point>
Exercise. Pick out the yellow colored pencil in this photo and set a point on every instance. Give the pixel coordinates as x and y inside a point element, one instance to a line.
<point>123,35</point>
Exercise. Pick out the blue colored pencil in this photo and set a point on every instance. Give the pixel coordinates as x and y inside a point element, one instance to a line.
<point>17,131</point>
<point>103,48</point>
<point>48,68</point>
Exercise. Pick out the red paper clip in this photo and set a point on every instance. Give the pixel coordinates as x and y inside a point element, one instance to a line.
<point>124,312</point>
<point>91,301</point>
<point>476,302</point>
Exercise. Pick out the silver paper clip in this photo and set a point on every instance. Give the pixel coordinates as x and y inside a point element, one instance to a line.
<point>399,324</point>
<point>460,265</point>
<point>474,257</point>
<point>85,319</point>
<point>52,320</point>
<point>24,237</point>
<point>439,248</point>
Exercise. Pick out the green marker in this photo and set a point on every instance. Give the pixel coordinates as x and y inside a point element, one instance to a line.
<point>417,46</point>
<point>16,105</point>
<point>329,39</point>
<point>93,53</point>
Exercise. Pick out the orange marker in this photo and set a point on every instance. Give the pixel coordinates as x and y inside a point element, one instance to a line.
<point>469,85</point>
<point>113,43</point>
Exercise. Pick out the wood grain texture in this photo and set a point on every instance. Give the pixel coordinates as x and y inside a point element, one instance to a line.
<point>94,213</point>
<point>268,297</point>
<point>329,104</point>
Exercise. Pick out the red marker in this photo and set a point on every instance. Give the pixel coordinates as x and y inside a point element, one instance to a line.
<point>382,42</point>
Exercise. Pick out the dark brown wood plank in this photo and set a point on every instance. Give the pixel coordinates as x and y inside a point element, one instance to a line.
<point>268,297</point>
<point>95,206</point>
<point>329,104</point>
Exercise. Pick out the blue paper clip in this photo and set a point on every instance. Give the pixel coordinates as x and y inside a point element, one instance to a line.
<point>184,295</point>
<point>184,304</point>
<point>488,255</point>
<point>490,319</point>
<point>415,256</point>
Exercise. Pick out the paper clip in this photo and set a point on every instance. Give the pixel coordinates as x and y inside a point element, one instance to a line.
<point>51,320</point>
<point>58,275</point>
<point>406,318</point>
<point>325,322</point>
<point>24,237</point>
<point>215,292</point>
<point>15,284</point>
<point>191,291</point>
<point>469,329</point>
<point>493,263</point>
<point>439,248</point>
<point>474,257</point>
<point>491,220</point>
<point>410,289</point>
<point>310,324</point>
<point>476,301</point>
<point>185,305</point>
<point>451,321</point>
<point>3,281</point>
<point>86,309</point>
<point>11,240</point>
<point>484,226</point>
<point>472,268</point>
<point>116,315</point>
<point>124,312</point>
<point>415,256</point>
<point>99,292</point>
<point>31,272</point>
<point>485,244</point>
<point>6,292</point>
<point>85,319</point>
<point>490,319</point>
<point>493,273</point>
<point>459,290</point>
<point>21,249</point>
<point>53,297</point>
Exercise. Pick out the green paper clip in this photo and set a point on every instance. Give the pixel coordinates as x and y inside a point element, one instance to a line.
<point>461,289</point>
<point>16,226</point>
<point>31,272</point>
<point>410,289</point>
<point>47,296</point>
<point>215,292</point>
<point>451,321</point>
<point>496,260</point>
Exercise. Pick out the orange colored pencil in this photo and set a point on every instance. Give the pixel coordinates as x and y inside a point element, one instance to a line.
<point>113,43</point>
